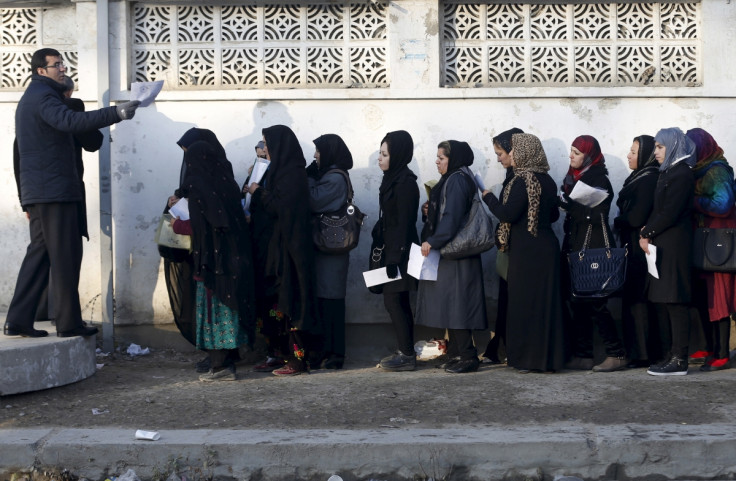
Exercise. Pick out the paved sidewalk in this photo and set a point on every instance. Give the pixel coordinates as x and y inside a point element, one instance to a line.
<point>365,424</point>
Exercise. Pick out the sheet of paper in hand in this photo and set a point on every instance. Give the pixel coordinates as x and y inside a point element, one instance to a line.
<point>146,92</point>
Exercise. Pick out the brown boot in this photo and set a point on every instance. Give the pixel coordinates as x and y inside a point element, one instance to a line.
<point>580,364</point>
<point>611,364</point>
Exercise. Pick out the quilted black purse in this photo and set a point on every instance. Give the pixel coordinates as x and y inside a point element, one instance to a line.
<point>596,273</point>
<point>713,249</point>
<point>338,232</point>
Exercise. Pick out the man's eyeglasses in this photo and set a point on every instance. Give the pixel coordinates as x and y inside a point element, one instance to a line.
<point>59,65</point>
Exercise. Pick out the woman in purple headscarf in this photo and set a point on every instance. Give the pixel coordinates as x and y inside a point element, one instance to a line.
<point>714,208</point>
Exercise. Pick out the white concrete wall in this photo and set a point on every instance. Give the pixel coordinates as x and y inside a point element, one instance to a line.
<point>146,159</point>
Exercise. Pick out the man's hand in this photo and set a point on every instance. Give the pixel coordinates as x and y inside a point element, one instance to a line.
<point>126,110</point>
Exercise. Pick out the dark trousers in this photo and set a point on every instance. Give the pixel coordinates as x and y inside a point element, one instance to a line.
<point>679,322</point>
<point>399,310</point>
<point>332,313</point>
<point>56,246</point>
<point>499,334</point>
<point>591,312</point>
<point>462,339</point>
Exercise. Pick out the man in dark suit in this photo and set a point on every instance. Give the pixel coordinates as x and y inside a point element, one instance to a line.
<point>51,191</point>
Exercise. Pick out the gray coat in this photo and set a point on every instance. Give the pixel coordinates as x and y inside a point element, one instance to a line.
<point>456,300</point>
<point>328,194</point>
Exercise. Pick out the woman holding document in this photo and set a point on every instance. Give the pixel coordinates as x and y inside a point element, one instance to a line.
<point>398,199</point>
<point>588,220</point>
<point>527,208</point>
<point>456,300</point>
<point>669,228</point>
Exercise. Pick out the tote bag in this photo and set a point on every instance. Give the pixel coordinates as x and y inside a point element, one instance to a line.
<point>596,273</point>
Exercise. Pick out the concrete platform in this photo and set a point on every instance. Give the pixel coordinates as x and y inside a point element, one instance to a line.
<point>32,364</point>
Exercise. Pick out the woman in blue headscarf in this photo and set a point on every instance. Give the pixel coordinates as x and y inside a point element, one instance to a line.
<point>669,229</point>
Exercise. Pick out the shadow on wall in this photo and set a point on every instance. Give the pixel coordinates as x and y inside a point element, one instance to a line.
<point>145,172</point>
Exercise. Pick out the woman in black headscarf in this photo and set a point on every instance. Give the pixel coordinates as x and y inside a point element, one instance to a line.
<point>398,198</point>
<point>220,257</point>
<point>328,192</point>
<point>635,202</point>
<point>502,148</point>
<point>527,208</point>
<point>456,300</point>
<point>281,218</point>
<point>178,267</point>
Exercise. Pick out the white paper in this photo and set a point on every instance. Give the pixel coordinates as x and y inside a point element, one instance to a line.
<point>146,92</point>
<point>259,168</point>
<point>147,435</point>
<point>652,261</point>
<point>479,182</point>
<point>378,276</point>
<point>180,209</point>
<point>587,195</point>
<point>423,268</point>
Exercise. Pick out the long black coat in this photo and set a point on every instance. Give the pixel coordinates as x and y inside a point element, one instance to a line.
<point>577,220</point>
<point>534,332</point>
<point>399,208</point>
<point>456,300</point>
<point>669,228</point>
<point>635,204</point>
<point>44,125</point>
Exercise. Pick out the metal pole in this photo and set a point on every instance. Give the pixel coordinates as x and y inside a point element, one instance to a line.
<point>106,244</point>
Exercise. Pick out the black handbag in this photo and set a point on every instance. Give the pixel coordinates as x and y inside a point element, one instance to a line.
<point>596,273</point>
<point>713,249</point>
<point>377,258</point>
<point>338,232</point>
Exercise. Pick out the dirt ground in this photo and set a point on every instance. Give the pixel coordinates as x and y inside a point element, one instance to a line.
<point>161,391</point>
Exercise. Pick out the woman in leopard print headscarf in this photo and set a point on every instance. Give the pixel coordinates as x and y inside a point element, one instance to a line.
<point>526,210</point>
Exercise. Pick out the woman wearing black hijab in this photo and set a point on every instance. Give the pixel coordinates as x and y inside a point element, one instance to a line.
<point>220,257</point>
<point>456,300</point>
<point>502,148</point>
<point>328,192</point>
<point>282,223</point>
<point>398,198</point>
<point>635,201</point>
<point>178,265</point>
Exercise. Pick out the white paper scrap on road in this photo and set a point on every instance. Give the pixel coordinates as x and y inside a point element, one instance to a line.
<point>378,276</point>
<point>180,210</point>
<point>423,268</point>
<point>652,261</point>
<point>587,195</point>
<point>145,92</point>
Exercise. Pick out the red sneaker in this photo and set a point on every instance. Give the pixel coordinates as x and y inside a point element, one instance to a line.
<point>269,364</point>
<point>699,357</point>
<point>715,365</point>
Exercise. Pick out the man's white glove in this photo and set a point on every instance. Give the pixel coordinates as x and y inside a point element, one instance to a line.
<point>126,110</point>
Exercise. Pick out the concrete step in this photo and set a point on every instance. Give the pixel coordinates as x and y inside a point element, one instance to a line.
<point>31,364</point>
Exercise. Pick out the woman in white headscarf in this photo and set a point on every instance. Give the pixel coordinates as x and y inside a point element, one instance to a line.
<point>669,229</point>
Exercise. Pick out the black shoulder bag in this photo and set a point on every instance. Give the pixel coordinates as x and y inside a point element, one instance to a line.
<point>338,232</point>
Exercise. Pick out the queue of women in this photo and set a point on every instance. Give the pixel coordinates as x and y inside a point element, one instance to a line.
<point>258,271</point>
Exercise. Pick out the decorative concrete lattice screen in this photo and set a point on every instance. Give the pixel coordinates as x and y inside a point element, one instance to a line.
<point>591,44</point>
<point>271,46</point>
<point>20,38</point>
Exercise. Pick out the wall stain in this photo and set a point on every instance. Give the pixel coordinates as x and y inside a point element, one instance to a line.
<point>143,224</point>
<point>607,104</point>
<point>373,116</point>
<point>535,106</point>
<point>689,104</point>
<point>431,25</point>
<point>578,109</point>
<point>137,187</point>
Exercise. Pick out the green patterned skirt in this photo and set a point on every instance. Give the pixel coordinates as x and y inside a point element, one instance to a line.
<point>218,326</point>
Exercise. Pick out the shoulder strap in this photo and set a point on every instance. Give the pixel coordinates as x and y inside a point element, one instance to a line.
<point>345,175</point>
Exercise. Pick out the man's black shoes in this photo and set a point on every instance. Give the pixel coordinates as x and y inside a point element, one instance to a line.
<point>15,330</point>
<point>78,331</point>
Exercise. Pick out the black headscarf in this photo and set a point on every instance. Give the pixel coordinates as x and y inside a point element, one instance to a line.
<point>220,241</point>
<point>333,153</point>
<point>284,152</point>
<point>400,150</point>
<point>460,155</point>
<point>646,165</point>
<point>504,138</point>
<point>195,135</point>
